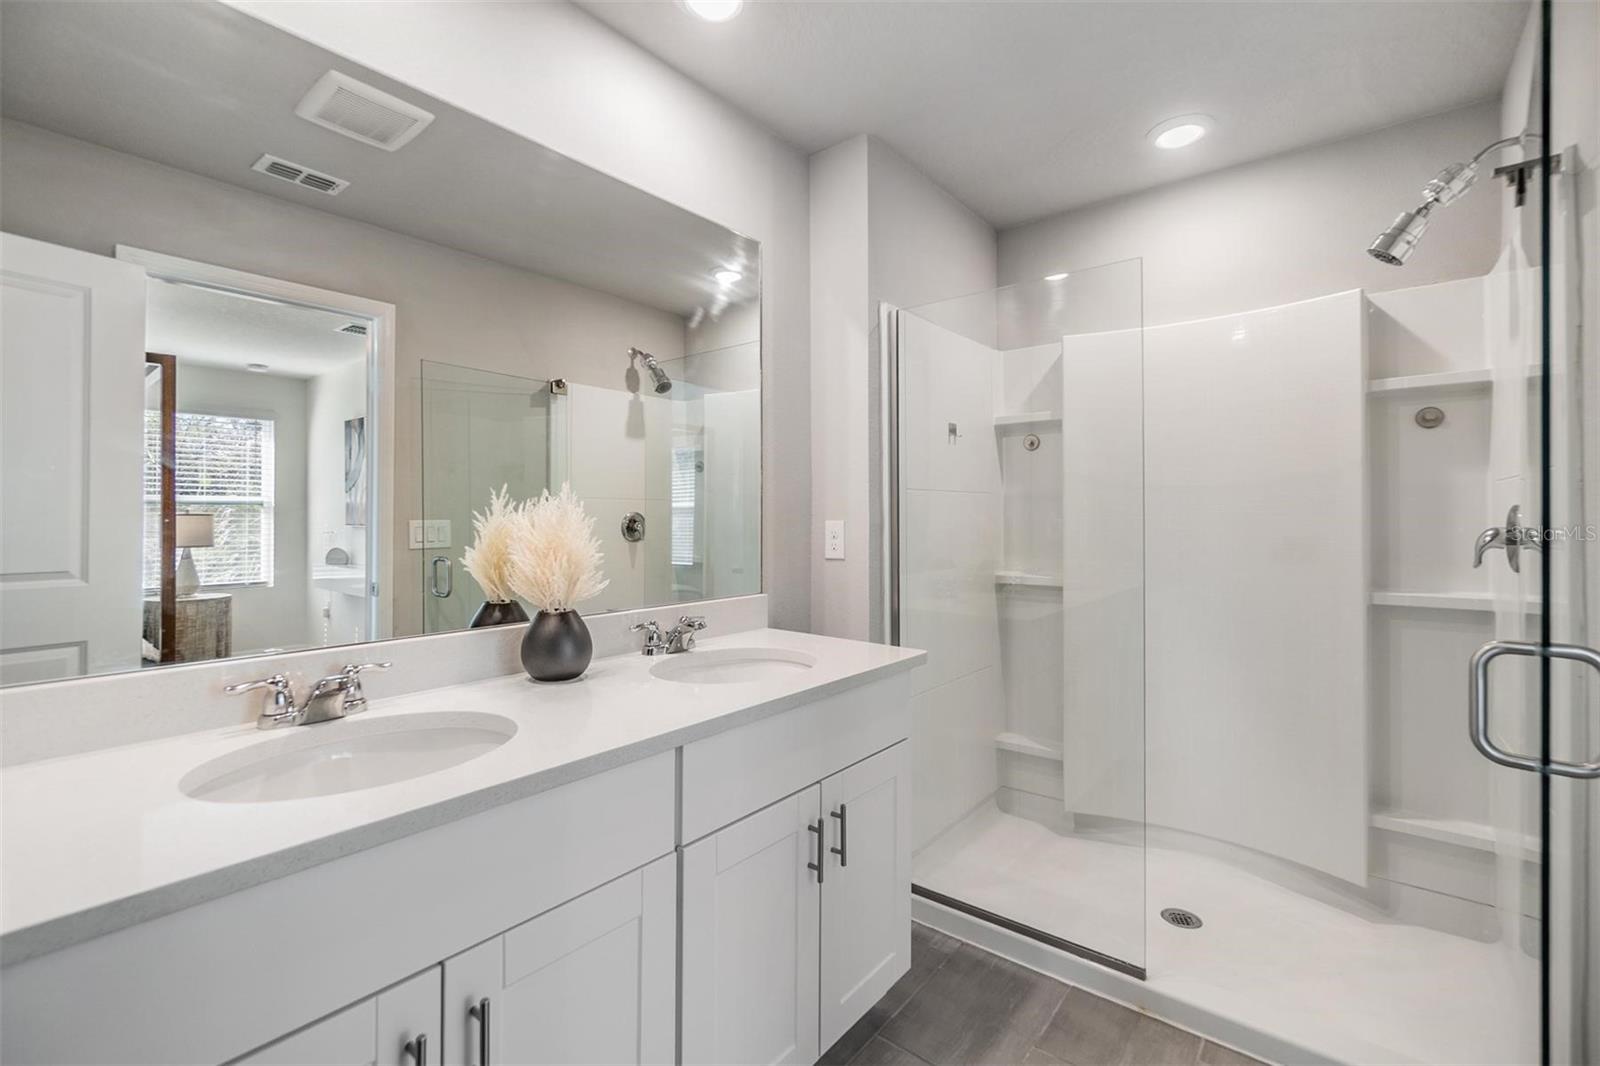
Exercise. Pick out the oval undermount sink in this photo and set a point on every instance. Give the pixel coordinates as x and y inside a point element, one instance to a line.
<point>347,755</point>
<point>731,666</point>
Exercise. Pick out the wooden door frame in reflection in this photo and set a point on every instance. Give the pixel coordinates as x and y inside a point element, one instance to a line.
<point>380,393</point>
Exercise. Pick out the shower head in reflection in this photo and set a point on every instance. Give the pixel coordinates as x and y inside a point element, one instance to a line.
<point>1395,244</point>
<point>658,377</point>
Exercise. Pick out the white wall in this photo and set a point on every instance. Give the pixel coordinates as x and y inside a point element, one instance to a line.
<point>880,231</point>
<point>841,318</point>
<point>272,616</point>
<point>1288,228</point>
<point>557,76</point>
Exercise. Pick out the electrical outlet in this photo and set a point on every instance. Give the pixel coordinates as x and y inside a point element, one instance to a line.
<point>833,539</point>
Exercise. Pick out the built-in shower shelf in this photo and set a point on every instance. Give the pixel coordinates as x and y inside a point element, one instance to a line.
<point>1026,418</point>
<point>1024,745</point>
<point>1442,601</point>
<point>1462,833</point>
<point>1448,379</point>
<point>1022,577</point>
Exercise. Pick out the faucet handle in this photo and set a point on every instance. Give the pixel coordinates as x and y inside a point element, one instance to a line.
<point>654,639</point>
<point>277,682</point>
<point>354,699</point>
<point>692,621</point>
<point>282,699</point>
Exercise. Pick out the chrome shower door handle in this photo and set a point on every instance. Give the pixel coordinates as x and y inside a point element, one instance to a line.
<point>1478,716</point>
<point>433,577</point>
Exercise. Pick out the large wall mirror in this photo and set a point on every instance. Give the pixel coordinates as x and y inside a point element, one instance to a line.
<point>275,326</point>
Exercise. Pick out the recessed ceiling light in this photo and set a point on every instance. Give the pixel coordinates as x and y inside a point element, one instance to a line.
<point>714,10</point>
<point>1180,132</point>
<point>257,368</point>
<point>1063,276</point>
<point>728,277</point>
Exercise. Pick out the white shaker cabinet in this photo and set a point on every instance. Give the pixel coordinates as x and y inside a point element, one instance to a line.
<point>866,895</point>
<point>796,919</point>
<point>750,937</point>
<point>397,1027</point>
<point>591,981</point>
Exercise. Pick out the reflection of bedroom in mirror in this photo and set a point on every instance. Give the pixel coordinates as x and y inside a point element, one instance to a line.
<point>324,354</point>
<point>255,460</point>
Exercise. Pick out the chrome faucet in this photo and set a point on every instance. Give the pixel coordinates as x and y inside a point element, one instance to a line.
<point>680,638</point>
<point>331,697</point>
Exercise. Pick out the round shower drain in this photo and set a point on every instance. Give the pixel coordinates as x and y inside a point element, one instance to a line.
<point>1181,918</point>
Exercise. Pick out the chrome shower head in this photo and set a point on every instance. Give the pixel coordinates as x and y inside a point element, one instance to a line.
<point>1395,244</point>
<point>660,382</point>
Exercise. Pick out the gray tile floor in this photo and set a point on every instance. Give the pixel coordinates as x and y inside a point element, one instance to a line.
<point>961,1005</point>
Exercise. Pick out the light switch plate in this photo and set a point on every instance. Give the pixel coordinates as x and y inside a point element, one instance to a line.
<point>833,538</point>
<point>414,534</point>
<point>436,532</point>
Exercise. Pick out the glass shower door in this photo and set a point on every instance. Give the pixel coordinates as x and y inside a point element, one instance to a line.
<point>1016,515</point>
<point>480,431</point>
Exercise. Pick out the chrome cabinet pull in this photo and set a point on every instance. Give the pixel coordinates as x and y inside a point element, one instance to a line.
<point>844,843</point>
<point>1478,711</point>
<point>481,1012</point>
<point>418,1049</point>
<point>816,827</point>
<point>449,577</point>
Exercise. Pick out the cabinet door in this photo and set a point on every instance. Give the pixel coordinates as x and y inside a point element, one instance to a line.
<point>380,1031</point>
<point>750,937</point>
<point>866,895</point>
<point>591,981</point>
<point>409,1022</point>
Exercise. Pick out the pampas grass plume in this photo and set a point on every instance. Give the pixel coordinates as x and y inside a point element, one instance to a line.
<point>495,530</point>
<point>555,558</point>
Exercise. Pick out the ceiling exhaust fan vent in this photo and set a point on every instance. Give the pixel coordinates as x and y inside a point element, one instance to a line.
<point>340,103</point>
<point>355,329</point>
<point>299,175</point>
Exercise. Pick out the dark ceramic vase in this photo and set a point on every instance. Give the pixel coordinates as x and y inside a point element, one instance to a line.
<point>498,613</point>
<point>556,646</point>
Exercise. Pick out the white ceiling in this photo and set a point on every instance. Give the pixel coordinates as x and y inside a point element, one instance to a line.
<point>208,89</point>
<point>1023,109</point>
<point>221,329</point>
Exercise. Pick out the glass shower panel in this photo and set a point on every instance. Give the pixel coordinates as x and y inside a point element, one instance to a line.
<point>480,430</point>
<point>1018,528</point>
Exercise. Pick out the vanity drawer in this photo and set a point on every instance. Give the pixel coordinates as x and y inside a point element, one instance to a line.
<point>215,980</point>
<point>727,776</point>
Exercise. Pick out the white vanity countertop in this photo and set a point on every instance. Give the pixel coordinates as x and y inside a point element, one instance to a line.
<point>100,841</point>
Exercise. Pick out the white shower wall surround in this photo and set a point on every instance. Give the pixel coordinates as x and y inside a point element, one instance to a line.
<point>1242,527</point>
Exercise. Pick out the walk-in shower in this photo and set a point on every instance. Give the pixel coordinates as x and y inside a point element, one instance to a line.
<point>1199,601</point>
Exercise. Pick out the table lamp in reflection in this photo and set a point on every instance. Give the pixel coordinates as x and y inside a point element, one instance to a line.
<point>194,531</point>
